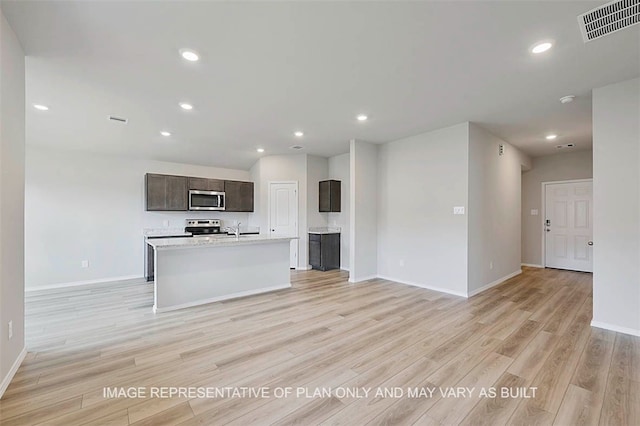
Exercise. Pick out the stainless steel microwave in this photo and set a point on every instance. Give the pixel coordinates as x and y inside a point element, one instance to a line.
<point>206,200</point>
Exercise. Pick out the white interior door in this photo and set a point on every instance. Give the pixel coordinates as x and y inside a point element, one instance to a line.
<point>283,214</point>
<point>569,226</point>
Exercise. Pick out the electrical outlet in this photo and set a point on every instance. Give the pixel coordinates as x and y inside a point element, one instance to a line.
<point>10,330</point>
<point>458,210</point>
<point>165,223</point>
<point>401,262</point>
<point>85,264</point>
<point>534,212</point>
<point>491,265</point>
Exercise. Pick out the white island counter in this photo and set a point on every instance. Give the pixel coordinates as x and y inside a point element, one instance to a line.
<point>199,270</point>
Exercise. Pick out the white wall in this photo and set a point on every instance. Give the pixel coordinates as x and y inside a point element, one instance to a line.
<point>494,210</point>
<point>421,179</point>
<point>363,211</point>
<point>82,206</point>
<point>317,170</point>
<point>550,168</point>
<point>281,168</point>
<point>339,170</point>
<point>616,197</point>
<point>12,117</point>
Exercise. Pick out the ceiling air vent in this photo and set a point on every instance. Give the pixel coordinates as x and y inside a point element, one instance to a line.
<point>567,145</point>
<point>609,18</point>
<point>295,147</point>
<point>118,119</point>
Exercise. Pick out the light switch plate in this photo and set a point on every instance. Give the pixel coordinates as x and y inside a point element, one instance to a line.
<point>458,210</point>
<point>534,212</point>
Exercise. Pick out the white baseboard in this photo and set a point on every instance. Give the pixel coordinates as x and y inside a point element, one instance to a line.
<point>428,287</point>
<point>618,329</point>
<point>495,283</point>
<point>367,278</point>
<point>219,298</point>
<point>12,371</point>
<point>81,283</point>
<point>532,265</point>
<point>303,268</point>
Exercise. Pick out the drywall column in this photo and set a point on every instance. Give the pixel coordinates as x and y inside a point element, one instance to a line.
<point>363,211</point>
<point>494,210</point>
<point>317,170</point>
<point>12,117</point>
<point>616,200</point>
<point>420,181</point>
<point>339,170</point>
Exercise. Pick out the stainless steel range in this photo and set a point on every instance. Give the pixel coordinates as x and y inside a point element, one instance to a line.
<point>203,226</point>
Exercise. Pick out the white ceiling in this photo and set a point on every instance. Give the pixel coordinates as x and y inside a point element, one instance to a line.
<point>269,69</point>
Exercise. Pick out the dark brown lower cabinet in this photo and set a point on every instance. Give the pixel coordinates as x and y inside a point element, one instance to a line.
<point>324,251</point>
<point>149,260</point>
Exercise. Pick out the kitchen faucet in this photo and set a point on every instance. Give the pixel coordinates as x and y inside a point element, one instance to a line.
<point>237,231</point>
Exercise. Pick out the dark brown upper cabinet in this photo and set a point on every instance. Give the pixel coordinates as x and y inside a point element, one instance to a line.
<point>202,184</point>
<point>171,193</point>
<point>166,193</point>
<point>238,196</point>
<point>330,195</point>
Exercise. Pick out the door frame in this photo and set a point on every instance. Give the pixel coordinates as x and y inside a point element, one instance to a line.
<point>543,212</point>
<point>278,182</point>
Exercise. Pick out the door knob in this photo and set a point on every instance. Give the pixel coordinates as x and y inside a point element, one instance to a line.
<point>590,243</point>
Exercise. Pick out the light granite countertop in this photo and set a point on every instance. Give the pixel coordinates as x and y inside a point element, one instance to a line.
<point>215,241</point>
<point>165,232</point>
<point>324,230</point>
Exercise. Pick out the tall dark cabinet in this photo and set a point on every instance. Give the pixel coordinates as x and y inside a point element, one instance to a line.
<point>166,193</point>
<point>324,251</point>
<point>330,194</point>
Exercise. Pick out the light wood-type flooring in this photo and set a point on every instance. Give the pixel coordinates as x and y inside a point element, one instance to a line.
<point>324,333</point>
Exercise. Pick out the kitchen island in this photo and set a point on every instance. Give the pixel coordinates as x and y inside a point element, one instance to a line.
<point>199,270</point>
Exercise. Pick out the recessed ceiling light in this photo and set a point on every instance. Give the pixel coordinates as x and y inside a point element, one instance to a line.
<point>186,106</point>
<point>362,117</point>
<point>299,134</point>
<point>260,149</point>
<point>551,137</point>
<point>41,107</point>
<point>189,55</point>
<point>165,133</point>
<point>567,99</point>
<point>541,47</point>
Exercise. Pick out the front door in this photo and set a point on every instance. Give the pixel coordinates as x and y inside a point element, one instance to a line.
<point>569,226</point>
<point>283,214</point>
